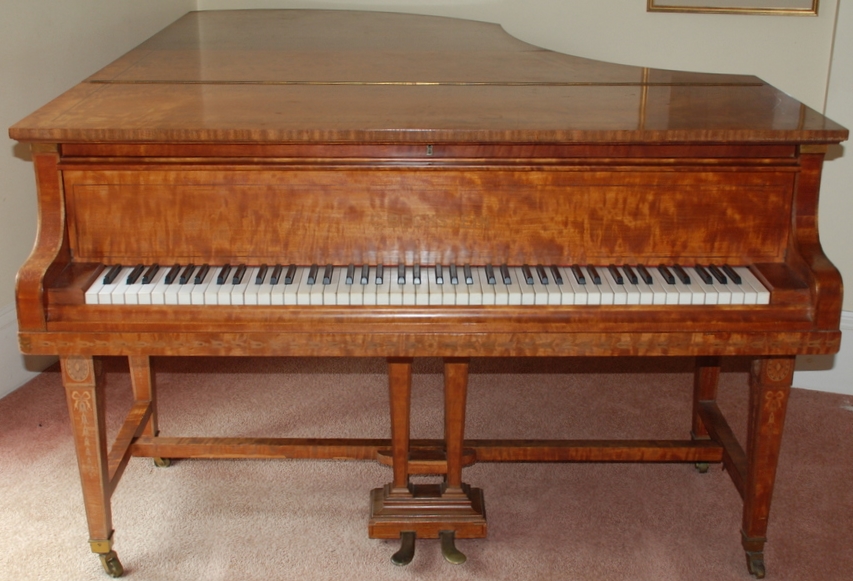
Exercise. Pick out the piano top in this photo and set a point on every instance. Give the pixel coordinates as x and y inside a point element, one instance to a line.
<point>278,76</point>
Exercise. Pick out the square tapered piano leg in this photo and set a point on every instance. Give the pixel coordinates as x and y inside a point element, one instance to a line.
<point>448,510</point>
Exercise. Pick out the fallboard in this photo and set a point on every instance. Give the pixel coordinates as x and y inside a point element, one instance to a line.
<point>430,215</point>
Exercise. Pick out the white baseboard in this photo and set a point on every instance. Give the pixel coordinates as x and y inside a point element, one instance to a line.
<point>833,373</point>
<point>16,369</point>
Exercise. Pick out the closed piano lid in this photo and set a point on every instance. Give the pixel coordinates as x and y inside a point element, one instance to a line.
<point>282,76</point>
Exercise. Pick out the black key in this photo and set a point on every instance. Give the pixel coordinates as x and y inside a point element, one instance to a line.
<point>505,274</point>
<point>350,273</point>
<point>290,274</point>
<point>715,271</point>
<point>469,278</point>
<point>555,272</point>
<point>439,275</point>
<point>703,274</point>
<point>644,274</point>
<point>112,274</point>
<point>666,274</point>
<point>187,274</point>
<point>173,273</point>
<point>490,274</point>
<point>327,274</point>
<point>223,274</point>
<point>401,274</point>
<point>239,274</point>
<point>135,273</point>
<point>380,273</point>
<point>276,274</point>
<point>312,274</point>
<point>525,272</point>
<point>416,274</point>
<point>365,273</point>
<point>630,274</point>
<point>617,276</point>
<point>202,272</point>
<point>682,276</point>
<point>262,274</point>
<point>150,273</point>
<point>578,273</point>
<point>732,274</point>
<point>593,273</point>
<point>454,279</point>
<point>540,272</point>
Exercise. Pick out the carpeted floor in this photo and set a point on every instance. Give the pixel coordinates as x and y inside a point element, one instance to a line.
<point>281,520</point>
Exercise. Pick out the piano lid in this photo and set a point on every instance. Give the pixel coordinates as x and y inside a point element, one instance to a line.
<point>338,76</point>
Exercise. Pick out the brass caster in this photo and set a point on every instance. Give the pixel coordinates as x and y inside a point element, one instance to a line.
<point>448,548</point>
<point>162,462</point>
<point>755,564</point>
<point>112,566</point>
<point>702,467</point>
<point>407,549</point>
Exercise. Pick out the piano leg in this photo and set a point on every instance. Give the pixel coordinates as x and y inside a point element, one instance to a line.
<point>144,390</point>
<point>770,385</point>
<point>705,383</point>
<point>407,511</point>
<point>84,390</point>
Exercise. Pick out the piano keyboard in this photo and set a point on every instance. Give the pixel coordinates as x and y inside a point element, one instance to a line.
<point>426,285</point>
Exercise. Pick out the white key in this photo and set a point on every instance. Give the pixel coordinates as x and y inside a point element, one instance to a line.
<point>356,289</point>
<point>553,296</point>
<point>422,290</point>
<point>120,286</point>
<point>620,294</point>
<point>527,292</point>
<point>697,293</point>
<point>158,293</point>
<point>198,290</point>
<point>475,289</point>
<point>91,296</point>
<point>513,289</point>
<point>760,293</point>
<point>143,297</point>
<point>184,294</point>
<point>369,290</point>
<point>342,294</point>
<point>565,290</point>
<point>723,291</point>
<point>633,291</point>
<point>489,290</point>
<point>434,290</point>
<point>671,294</point>
<point>448,291</point>
<point>395,293</point>
<point>708,289</point>
<point>303,289</point>
<point>262,291</point>
<point>106,290</point>
<point>330,291</point>
<point>290,292</point>
<point>579,292</point>
<point>605,292</point>
<point>238,291</point>
<point>131,295</point>
<point>383,291</point>
<point>249,296</point>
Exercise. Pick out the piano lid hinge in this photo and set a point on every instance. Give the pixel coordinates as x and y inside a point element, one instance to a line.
<point>429,149</point>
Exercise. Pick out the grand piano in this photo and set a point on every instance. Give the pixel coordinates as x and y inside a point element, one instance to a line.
<point>323,183</point>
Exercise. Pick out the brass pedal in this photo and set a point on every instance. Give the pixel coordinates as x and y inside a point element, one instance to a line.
<point>448,548</point>
<point>407,549</point>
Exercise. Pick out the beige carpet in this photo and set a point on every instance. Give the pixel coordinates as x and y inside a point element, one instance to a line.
<point>280,520</point>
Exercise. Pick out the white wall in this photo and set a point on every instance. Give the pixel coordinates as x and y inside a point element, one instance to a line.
<point>50,45</point>
<point>46,47</point>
